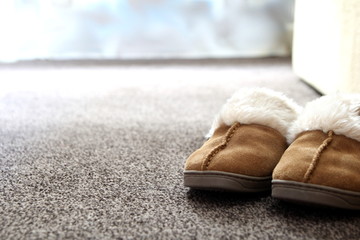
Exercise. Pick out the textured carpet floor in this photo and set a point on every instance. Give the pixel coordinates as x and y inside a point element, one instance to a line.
<point>97,151</point>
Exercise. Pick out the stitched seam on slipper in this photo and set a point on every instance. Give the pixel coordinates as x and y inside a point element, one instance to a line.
<point>220,147</point>
<point>316,159</point>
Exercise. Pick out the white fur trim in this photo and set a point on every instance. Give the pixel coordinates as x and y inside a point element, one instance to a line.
<point>258,106</point>
<point>337,112</point>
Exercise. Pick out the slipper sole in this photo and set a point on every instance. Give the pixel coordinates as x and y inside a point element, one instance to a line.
<point>224,181</point>
<point>315,194</point>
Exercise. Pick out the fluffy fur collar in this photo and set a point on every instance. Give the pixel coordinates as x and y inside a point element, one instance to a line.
<point>338,112</point>
<point>258,106</point>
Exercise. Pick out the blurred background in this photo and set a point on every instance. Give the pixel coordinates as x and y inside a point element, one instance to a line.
<point>144,29</point>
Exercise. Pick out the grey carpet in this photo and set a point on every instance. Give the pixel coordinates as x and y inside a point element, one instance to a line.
<point>96,152</point>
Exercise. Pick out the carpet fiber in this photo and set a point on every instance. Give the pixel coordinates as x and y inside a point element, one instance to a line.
<point>96,151</point>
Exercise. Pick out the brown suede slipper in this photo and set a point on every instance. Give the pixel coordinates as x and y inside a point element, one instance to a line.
<point>322,164</point>
<point>246,142</point>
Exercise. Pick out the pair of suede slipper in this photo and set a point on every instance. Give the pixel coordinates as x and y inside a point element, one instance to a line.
<point>262,140</point>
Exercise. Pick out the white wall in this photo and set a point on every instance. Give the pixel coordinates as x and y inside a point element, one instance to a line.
<point>326,47</point>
